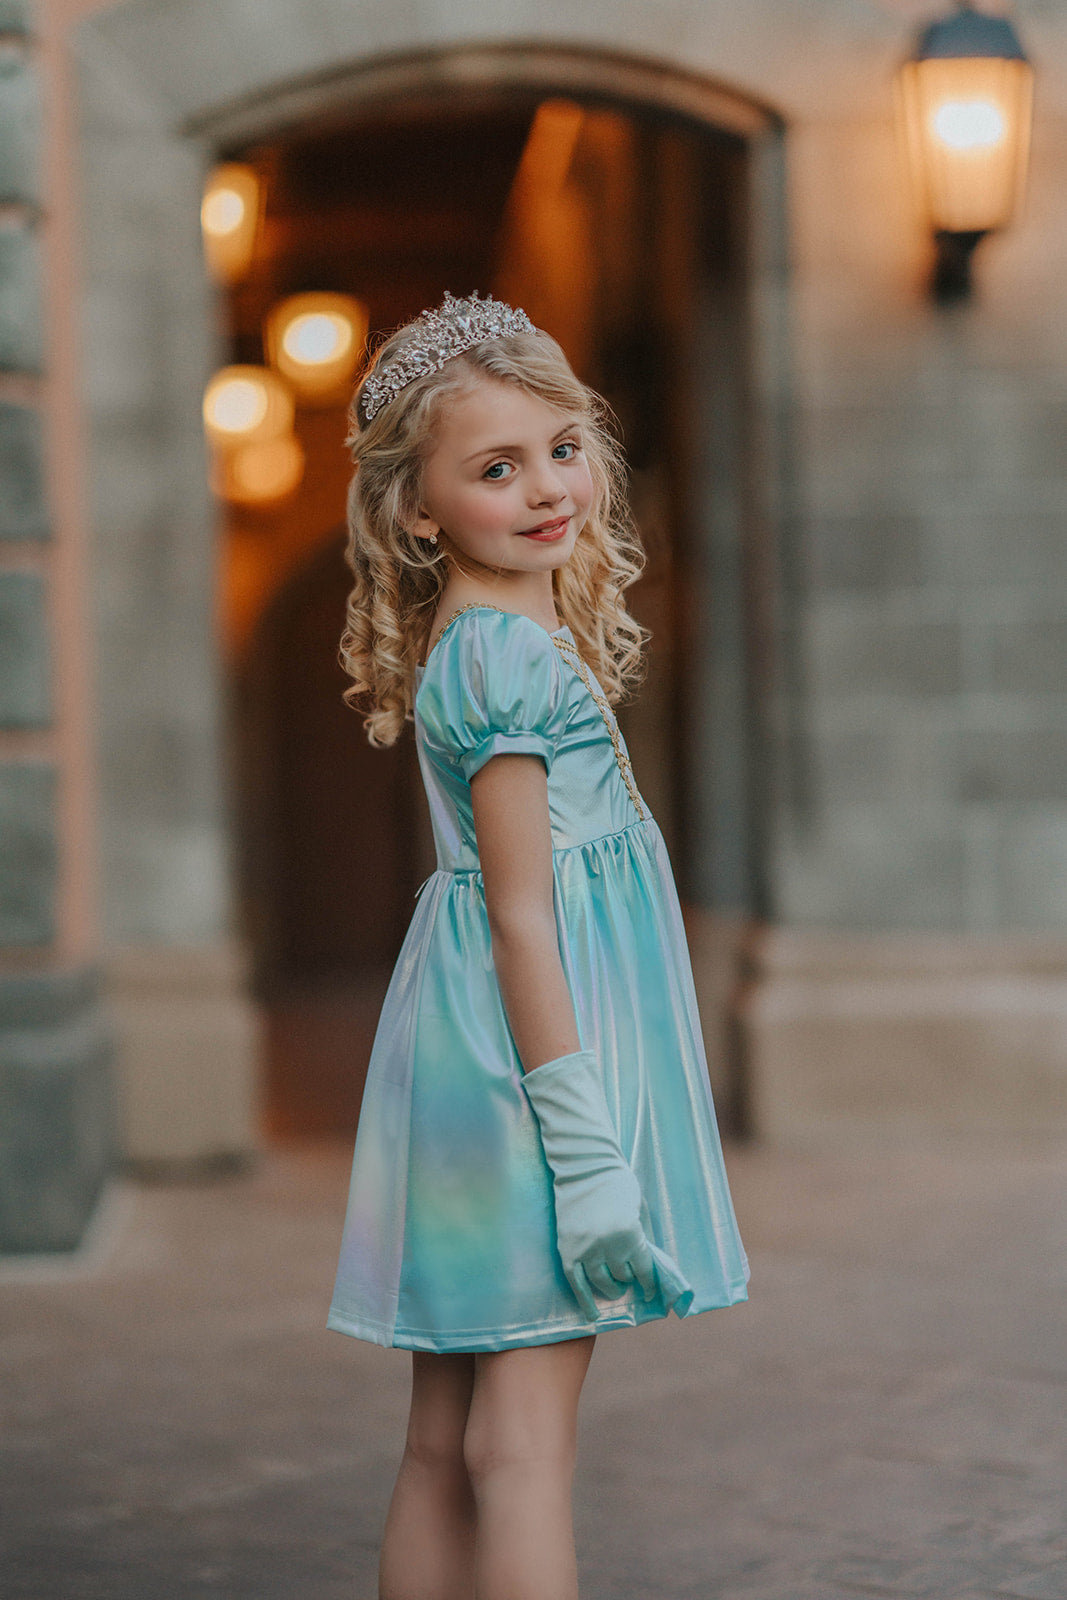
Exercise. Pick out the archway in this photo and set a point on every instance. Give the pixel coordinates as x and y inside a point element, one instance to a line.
<point>622,229</point>
<point>719,403</point>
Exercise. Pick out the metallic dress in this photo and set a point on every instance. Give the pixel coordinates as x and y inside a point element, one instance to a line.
<point>449,1241</point>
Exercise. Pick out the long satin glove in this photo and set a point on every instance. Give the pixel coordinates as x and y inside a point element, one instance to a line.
<point>601,1216</point>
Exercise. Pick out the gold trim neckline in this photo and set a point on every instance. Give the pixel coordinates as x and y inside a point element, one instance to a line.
<point>479,605</point>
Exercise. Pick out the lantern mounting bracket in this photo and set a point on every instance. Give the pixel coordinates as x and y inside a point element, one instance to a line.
<point>952,282</point>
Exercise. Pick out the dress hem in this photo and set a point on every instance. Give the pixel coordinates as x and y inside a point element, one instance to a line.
<point>473,1340</point>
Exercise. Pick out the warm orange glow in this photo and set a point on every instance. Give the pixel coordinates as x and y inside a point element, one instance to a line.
<point>246,405</point>
<point>229,218</point>
<point>316,341</point>
<point>967,123</point>
<point>260,474</point>
<point>546,253</point>
<point>550,144</point>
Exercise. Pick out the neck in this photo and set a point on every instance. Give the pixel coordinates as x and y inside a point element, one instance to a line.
<point>529,594</point>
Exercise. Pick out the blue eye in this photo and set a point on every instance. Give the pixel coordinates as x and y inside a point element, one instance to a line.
<point>568,444</point>
<point>496,472</point>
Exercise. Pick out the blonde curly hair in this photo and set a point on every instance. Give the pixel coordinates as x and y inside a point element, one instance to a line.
<point>398,579</point>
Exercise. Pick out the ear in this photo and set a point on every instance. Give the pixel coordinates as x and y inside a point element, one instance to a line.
<point>424,527</point>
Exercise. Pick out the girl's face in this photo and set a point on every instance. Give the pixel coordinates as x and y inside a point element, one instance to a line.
<point>507,482</point>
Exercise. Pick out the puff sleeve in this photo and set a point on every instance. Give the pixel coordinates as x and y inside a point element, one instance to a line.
<point>494,685</point>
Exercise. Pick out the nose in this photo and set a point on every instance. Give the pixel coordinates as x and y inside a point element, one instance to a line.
<point>546,485</point>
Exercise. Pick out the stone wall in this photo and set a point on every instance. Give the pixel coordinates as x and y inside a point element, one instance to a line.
<point>916,979</point>
<point>933,584</point>
<point>55,1107</point>
<point>186,1028</point>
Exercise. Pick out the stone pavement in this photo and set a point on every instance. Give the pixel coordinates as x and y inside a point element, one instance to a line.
<point>886,1417</point>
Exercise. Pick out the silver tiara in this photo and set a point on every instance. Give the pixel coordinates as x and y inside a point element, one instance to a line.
<point>456,326</point>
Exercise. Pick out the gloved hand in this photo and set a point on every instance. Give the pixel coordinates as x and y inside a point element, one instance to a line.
<point>600,1212</point>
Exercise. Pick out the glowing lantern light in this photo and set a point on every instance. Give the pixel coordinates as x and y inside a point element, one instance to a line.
<point>229,218</point>
<point>246,405</point>
<point>259,475</point>
<point>966,102</point>
<point>316,341</point>
<point>969,124</point>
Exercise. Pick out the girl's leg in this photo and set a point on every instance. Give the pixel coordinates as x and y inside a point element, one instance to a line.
<point>428,1546</point>
<point>519,1448</point>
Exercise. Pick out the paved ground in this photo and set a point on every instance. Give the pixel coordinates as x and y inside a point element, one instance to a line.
<point>886,1417</point>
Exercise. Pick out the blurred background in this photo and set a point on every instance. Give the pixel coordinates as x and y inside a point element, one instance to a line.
<point>814,256</point>
<point>814,253</point>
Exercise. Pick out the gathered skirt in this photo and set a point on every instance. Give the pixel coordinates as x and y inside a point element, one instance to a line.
<point>449,1241</point>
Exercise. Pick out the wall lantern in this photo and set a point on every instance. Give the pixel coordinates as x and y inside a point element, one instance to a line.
<point>229,218</point>
<point>316,341</point>
<point>965,102</point>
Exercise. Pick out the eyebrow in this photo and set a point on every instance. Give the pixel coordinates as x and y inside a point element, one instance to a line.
<point>574,426</point>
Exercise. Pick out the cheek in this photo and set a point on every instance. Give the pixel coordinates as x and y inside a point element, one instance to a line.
<point>484,513</point>
<point>583,488</point>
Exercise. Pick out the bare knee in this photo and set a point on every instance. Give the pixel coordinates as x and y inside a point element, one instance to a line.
<point>523,1414</point>
<point>440,1399</point>
<point>433,1452</point>
<point>493,1449</point>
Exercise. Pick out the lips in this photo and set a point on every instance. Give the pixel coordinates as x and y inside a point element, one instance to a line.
<point>548,532</point>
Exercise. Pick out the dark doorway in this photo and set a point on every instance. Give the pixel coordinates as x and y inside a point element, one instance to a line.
<point>623,232</point>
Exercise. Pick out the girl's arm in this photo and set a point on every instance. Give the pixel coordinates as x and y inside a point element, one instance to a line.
<point>601,1238</point>
<point>509,796</point>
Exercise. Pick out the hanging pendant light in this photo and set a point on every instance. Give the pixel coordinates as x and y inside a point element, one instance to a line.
<point>246,405</point>
<point>230,218</point>
<point>965,100</point>
<point>316,342</point>
<point>248,417</point>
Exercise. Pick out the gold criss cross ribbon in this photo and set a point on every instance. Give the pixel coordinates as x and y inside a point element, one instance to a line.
<point>569,652</point>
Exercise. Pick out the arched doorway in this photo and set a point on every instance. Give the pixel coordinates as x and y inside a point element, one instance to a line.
<point>151,338</point>
<point>622,228</point>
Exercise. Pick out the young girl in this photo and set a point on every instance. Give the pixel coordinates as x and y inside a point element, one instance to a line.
<point>537,1158</point>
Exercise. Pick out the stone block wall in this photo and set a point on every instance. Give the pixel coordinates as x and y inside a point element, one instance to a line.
<point>19,126</point>
<point>28,853</point>
<point>20,311</point>
<point>15,18</point>
<point>23,509</point>
<point>55,1106</point>
<point>933,580</point>
<point>187,1036</point>
<point>25,679</point>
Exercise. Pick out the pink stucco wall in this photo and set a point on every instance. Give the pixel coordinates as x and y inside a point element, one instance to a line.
<point>70,742</point>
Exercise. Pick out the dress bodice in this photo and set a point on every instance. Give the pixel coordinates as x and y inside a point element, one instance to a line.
<point>498,683</point>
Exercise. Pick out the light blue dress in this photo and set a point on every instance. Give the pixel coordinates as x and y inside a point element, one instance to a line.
<point>449,1240</point>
